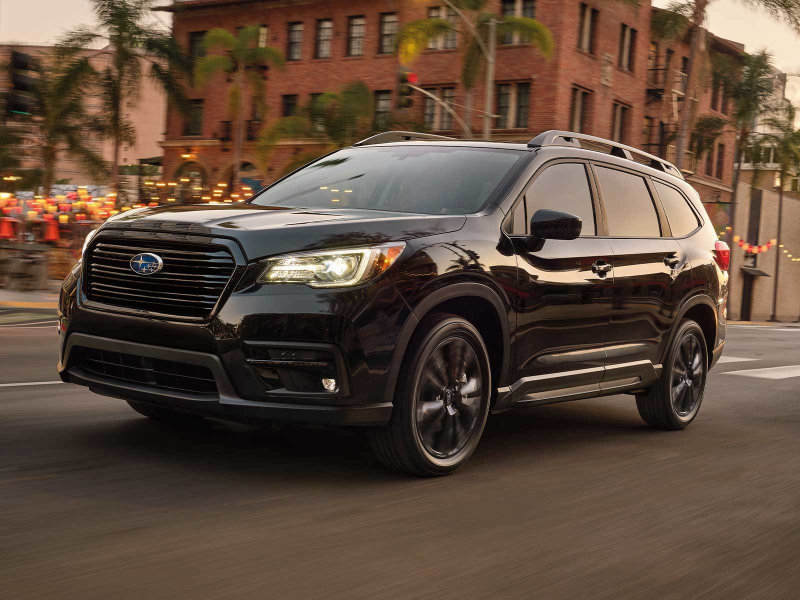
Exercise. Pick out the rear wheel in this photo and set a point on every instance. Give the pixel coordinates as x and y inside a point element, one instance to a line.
<point>164,415</point>
<point>675,400</point>
<point>442,403</point>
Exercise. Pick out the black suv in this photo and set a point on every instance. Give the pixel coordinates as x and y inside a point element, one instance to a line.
<point>412,284</point>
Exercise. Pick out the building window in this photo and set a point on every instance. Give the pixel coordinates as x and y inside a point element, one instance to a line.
<point>627,48</point>
<point>513,104</point>
<point>324,37</point>
<point>587,27</point>
<point>193,122</point>
<point>446,41</point>
<point>383,109</point>
<point>522,105</point>
<point>388,33</point>
<point>710,162</point>
<point>288,105</point>
<point>356,28</point>
<point>434,115</point>
<point>720,161</point>
<point>620,122</point>
<point>517,8</point>
<point>294,47</point>
<point>263,36</point>
<point>579,109</point>
<point>197,48</point>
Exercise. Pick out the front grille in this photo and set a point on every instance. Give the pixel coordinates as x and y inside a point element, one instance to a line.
<point>189,284</point>
<point>164,374</point>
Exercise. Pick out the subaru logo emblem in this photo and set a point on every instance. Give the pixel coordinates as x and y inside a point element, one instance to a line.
<point>146,264</point>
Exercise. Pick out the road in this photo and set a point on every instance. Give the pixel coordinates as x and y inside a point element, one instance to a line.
<point>577,500</point>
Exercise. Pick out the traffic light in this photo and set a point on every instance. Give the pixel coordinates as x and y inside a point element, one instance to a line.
<point>20,101</point>
<point>405,79</point>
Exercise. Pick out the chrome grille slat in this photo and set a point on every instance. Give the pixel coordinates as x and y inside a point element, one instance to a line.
<point>193,277</point>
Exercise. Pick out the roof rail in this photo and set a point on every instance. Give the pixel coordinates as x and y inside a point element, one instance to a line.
<point>566,138</point>
<point>387,137</point>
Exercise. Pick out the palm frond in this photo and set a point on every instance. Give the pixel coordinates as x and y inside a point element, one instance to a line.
<point>210,65</point>
<point>531,31</point>
<point>786,11</point>
<point>672,23</point>
<point>415,36</point>
<point>219,39</point>
<point>472,65</point>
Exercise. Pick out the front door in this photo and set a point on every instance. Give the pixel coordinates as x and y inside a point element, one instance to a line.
<point>564,290</point>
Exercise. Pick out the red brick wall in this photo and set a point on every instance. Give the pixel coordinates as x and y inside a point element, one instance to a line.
<point>551,80</point>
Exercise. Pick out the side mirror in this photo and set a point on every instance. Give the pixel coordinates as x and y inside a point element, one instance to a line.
<point>554,225</point>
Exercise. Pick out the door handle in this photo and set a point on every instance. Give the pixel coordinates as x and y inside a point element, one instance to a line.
<point>601,268</point>
<point>672,261</point>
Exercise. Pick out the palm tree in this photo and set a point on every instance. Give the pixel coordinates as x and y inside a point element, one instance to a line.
<point>785,138</point>
<point>242,59</point>
<point>480,30</point>
<point>691,16</point>
<point>132,45</point>
<point>61,120</point>
<point>336,119</point>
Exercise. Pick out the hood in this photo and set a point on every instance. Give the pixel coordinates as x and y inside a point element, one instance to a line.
<point>269,230</point>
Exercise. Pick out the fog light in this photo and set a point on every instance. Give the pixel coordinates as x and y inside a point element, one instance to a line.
<point>329,384</point>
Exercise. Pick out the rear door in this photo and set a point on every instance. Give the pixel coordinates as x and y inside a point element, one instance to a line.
<point>651,274</point>
<point>563,296</point>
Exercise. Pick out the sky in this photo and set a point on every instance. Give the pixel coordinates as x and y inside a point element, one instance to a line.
<point>43,21</point>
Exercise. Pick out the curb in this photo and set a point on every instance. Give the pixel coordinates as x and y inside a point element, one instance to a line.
<point>43,305</point>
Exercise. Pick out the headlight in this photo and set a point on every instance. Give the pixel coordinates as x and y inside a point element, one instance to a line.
<point>333,268</point>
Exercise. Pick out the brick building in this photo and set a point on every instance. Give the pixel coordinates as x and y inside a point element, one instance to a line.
<point>595,82</point>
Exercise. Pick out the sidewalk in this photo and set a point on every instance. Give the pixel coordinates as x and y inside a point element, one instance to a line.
<point>39,299</point>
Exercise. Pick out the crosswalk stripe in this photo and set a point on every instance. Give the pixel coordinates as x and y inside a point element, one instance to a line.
<point>734,359</point>
<point>769,372</point>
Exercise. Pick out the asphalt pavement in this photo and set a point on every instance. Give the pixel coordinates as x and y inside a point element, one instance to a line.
<point>576,500</point>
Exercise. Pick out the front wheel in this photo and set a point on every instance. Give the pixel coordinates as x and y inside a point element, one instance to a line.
<point>675,400</point>
<point>442,403</point>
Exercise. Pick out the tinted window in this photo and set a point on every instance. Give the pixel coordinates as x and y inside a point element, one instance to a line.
<point>681,217</point>
<point>563,187</point>
<point>427,179</point>
<point>629,207</point>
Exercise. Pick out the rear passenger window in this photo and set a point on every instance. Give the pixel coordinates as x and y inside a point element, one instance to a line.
<point>681,217</point>
<point>563,187</point>
<point>629,207</point>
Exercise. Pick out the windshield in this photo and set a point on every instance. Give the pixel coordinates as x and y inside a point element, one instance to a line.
<point>434,180</point>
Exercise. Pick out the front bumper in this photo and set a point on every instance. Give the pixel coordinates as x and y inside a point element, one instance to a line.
<point>226,404</point>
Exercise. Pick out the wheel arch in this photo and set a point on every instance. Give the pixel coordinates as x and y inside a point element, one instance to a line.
<point>701,309</point>
<point>477,303</point>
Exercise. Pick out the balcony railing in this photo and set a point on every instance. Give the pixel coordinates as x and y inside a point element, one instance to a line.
<point>689,159</point>
<point>657,78</point>
<point>225,131</point>
<point>253,129</point>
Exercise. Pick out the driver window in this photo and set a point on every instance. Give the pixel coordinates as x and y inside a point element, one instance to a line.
<point>563,187</point>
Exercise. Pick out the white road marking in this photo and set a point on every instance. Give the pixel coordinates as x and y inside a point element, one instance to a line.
<point>733,359</point>
<point>766,327</point>
<point>29,324</point>
<point>769,373</point>
<point>2,385</point>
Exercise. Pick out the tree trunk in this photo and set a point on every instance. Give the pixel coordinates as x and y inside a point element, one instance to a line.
<point>238,145</point>
<point>490,64</point>
<point>468,112</point>
<point>742,139</point>
<point>697,35</point>
<point>779,237</point>
<point>115,165</point>
<point>49,164</point>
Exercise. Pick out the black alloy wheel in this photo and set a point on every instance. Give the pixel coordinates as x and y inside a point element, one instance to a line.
<point>442,400</point>
<point>674,401</point>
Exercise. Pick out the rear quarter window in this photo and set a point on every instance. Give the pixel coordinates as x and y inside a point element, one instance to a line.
<point>629,207</point>
<point>682,219</point>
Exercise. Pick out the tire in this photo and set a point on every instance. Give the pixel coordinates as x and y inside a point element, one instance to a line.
<point>442,400</point>
<point>164,415</point>
<point>674,402</point>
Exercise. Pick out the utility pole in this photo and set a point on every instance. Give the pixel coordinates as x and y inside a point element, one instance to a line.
<point>774,316</point>
<point>490,64</point>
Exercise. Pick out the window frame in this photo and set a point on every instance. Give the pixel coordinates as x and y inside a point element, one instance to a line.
<point>626,62</point>
<point>588,10</point>
<point>599,218</point>
<point>319,40</point>
<point>350,37</point>
<point>188,119</point>
<point>291,27</point>
<point>663,222</point>
<point>382,21</point>
<point>285,104</point>
<point>377,97</point>
<point>692,207</point>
